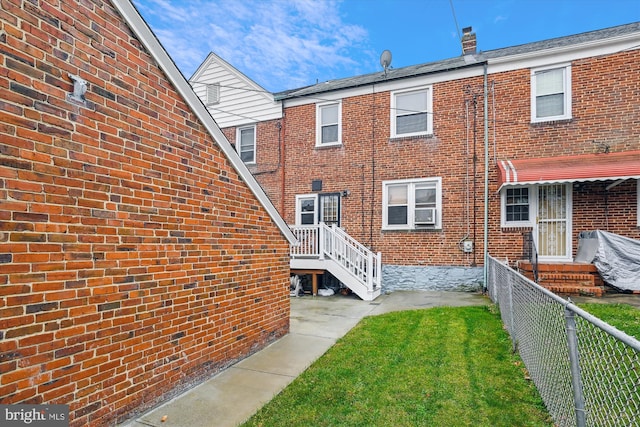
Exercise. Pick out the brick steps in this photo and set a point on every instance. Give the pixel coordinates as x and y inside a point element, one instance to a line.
<point>566,278</point>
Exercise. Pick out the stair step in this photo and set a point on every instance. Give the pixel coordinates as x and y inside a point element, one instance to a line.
<point>595,291</point>
<point>565,278</point>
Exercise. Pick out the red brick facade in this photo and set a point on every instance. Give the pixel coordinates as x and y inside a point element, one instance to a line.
<point>268,169</point>
<point>134,260</point>
<point>605,116</point>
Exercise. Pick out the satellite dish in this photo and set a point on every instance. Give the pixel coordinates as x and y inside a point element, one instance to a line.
<point>385,60</point>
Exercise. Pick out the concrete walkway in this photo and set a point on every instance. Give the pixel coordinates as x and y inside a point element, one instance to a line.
<point>231,397</point>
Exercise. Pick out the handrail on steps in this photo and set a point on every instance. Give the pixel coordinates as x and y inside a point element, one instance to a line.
<point>332,242</point>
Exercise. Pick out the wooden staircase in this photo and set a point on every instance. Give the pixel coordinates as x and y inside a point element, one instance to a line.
<point>323,248</point>
<point>566,278</point>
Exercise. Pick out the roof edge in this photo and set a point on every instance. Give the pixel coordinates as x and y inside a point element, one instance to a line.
<point>140,28</point>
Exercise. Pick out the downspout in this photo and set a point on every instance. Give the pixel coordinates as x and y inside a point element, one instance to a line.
<point>486,181</point>
<point>282,160</point>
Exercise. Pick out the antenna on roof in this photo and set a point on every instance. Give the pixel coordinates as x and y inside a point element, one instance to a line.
<point>385,60</point>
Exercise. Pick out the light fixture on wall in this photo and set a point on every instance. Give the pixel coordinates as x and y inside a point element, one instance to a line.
<point>79,89</point>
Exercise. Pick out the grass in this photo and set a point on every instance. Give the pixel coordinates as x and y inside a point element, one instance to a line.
<point>624,317</point>
<point>435,367</point>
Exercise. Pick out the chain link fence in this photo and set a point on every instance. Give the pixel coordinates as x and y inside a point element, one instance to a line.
<point>587,371</point>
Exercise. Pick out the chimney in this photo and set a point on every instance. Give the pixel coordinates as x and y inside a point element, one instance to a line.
<point>468,41</point>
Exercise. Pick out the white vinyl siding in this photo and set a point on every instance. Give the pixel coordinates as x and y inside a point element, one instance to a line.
<point>328,124</point>
<point>241,101</point>
<point>412,204</point>
<point>411,112</point>
<point>551,94</point>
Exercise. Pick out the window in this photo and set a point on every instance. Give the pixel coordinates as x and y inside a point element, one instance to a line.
<point>551,94</point>
<point>306,212</point>
<point>246,143</point>
<point>638,200</point>
<point>516,207</point>
<point>312,208</point>
<point>411,113</point>
<point>330,208</point>
<point>412,204</point>
<point>213,94</point>
<point>328,124</point>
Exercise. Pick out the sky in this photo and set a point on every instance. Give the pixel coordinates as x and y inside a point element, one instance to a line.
<point>287,44</point>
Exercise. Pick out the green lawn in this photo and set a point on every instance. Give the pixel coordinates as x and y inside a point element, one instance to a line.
<point>624,317</point>
<point>435,367</point>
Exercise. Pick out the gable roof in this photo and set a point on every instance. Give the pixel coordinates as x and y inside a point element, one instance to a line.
<point>241,100</point>
<point>559,44</point>
<point>157,51</point>
<point>212,57</point>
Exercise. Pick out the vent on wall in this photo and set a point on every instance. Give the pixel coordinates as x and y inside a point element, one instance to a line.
<point>213,93</point>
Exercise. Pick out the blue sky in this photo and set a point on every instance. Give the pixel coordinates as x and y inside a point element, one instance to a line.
<point>286,44</point>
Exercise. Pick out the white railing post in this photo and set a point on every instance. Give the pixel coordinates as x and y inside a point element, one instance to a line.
<point>321,237</point>
<point>379,269</point>
<point>370,271</point>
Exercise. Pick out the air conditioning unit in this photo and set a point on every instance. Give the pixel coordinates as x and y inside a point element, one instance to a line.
<point>425,216</point>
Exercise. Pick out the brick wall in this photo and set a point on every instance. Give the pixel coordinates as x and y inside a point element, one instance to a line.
<point>268,168</point>
<point>605,110</point>
<point>134,260</point>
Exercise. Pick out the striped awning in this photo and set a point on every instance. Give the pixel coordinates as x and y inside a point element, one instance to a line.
<point>579,168</point>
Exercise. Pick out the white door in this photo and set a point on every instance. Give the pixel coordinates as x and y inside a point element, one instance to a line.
<point>553,222</point>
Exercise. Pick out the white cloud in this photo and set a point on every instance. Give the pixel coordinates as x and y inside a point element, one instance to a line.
<point>281,44</point>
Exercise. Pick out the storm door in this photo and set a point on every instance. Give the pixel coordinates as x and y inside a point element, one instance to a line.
<point>312,209</point>
<point>553,222</point>
<point>330,208</point>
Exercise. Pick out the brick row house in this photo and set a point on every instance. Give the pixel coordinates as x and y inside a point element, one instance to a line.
<point>138,255</point>
<point>523,148</point>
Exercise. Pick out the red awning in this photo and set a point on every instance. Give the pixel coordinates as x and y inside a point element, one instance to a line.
<point>585,167</point>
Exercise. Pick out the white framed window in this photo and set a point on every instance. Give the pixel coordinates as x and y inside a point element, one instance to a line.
<point>516,206</point>
<point>551,93</point>
<point>213,94</point>
<point>328,124</point>
<point>638,201</point>
<point>307,209</point>
<point>411,112</point>
<point>412,204</point>
<point>246,143</point>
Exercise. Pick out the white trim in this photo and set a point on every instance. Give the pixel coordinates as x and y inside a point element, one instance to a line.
<point>566,88</point>
<point>157,51</point>
<point>503,208</point>
<point>411,184</point>
<point>239,130</point>
<point>386,86</point>
<point>232,70</point>
<point>566,181</point>
<point>572,52</point>
<point>319,108</point>
<point>569,224</point>
<point>393,110</point>
<point>300,197</point>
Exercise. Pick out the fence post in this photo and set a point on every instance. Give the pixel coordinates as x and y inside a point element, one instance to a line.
<point>574,360</point>
<point>512,327</point>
